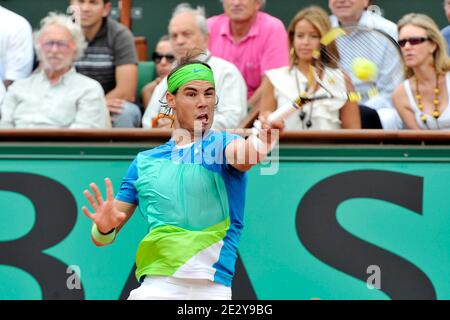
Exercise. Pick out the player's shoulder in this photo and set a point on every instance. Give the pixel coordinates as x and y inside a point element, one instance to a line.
<point>160,151</point>
<point>222,138</point>
<point>227,134</point>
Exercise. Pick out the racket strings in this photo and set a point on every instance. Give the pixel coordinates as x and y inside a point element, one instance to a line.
<point>370,45</point>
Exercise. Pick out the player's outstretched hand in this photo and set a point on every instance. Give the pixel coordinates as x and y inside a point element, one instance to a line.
<point>106,216</point>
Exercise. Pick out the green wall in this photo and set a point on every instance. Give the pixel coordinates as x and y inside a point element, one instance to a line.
<point>312,228</point>
<point>157,13</point>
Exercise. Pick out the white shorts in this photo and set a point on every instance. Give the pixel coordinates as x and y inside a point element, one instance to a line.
<point>170,288</point>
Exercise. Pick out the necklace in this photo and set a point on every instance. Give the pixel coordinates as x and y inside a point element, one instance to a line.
<point>436,114</point>
<point>309,85</point>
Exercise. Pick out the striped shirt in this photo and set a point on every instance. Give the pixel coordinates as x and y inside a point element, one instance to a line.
<point>113,46</point>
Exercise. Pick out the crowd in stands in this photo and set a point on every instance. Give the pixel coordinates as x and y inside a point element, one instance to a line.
<point>81,71</point>
<point>188,32</point>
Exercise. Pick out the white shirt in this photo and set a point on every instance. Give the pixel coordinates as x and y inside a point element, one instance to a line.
<point>16,47</point>
<point>76,101</point>
<point>372,20</point>
<point>443,122</point>
<point>2,94</point>
<point>231,91</point>
<point>386,83</point>
<point>323,114</point>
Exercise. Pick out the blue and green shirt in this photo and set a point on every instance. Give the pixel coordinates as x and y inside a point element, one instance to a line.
<point>194,204</point>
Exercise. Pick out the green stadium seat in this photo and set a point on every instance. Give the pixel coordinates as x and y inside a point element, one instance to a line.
<point>146,74</point>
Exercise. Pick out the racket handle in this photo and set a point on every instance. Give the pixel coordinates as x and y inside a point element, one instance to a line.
<point>283,112</point>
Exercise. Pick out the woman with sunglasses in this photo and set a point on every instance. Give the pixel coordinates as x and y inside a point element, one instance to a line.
<point>423,99</point>
<point>163,58</point>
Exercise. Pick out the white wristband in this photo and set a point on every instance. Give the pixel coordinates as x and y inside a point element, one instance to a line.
<point>102,238</point>
<point>261,146</point>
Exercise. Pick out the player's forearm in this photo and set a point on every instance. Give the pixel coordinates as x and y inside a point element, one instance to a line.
<point>244,154</point>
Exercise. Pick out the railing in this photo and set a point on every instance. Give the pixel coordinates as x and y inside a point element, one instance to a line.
<point>288,137</point>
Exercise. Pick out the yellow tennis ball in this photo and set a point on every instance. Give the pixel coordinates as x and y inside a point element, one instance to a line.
<point>364,69</point>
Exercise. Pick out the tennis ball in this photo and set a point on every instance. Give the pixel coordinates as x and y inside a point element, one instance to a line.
<point>364,69</point>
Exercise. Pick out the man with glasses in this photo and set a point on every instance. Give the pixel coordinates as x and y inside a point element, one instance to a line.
<point>56,96</point>
<point>111,59</point>
<point>163,58</point>
<point>446,31</point>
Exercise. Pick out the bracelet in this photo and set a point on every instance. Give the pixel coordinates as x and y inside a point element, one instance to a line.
<point>102,237</point>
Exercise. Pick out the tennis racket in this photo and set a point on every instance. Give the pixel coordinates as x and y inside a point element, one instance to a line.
<point>370,58</point>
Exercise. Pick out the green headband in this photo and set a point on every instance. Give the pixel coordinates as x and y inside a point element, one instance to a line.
<point>188,73</point>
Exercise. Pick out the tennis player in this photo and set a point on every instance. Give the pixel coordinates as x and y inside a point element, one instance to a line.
<point>192,192</point>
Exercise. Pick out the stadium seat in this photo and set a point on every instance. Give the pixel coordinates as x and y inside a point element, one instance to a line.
<point>146,74</point>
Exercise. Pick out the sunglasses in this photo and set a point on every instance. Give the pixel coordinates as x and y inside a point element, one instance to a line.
<point>412,41</point>
<point>156,57</point>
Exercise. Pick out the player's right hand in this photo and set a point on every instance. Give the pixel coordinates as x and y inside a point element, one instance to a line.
<point>105,216</point>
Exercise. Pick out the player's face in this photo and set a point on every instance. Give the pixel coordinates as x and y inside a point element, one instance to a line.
<point>241,10</point>
<point>91,11</point>
<point>185,35</point>
<point>416,51</point>
<point>57,48</point>
<point>348,11</point>
<point>194,105</point>
<point>306,40</point>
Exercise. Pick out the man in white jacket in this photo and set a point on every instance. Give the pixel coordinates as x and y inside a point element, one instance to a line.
<point>16,49</point>
<point>189,33</point>
<point>354,13</point>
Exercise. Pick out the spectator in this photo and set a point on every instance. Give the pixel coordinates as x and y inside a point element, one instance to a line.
<point>354,13</point>
<point>56,96</point>
<point>446,31</point>
<point>188,32</point>
<point>111,59</point>
<point>423,99</point>
<point>285,84</point>
<point>253,40</point>
<point>16,49</point>
<point>163,58</point>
